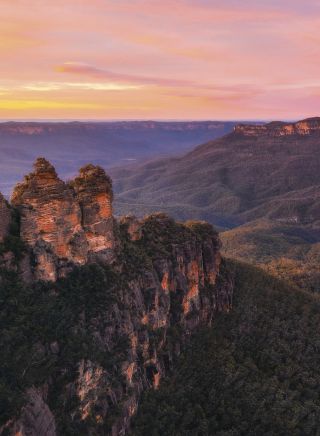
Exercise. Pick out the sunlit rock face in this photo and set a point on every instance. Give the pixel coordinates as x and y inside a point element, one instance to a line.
<point>305,127</point>
<point>50,220</point>
<point>93,190</point>
<point>5,218</point>
<point>65,224</point>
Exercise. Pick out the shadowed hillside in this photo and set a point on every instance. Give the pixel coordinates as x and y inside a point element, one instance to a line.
<point>254,373</point>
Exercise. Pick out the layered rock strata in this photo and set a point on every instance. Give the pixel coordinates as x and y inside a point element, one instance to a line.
<point>304,128</point>
<point>65,224</point>
<point>93,190</point>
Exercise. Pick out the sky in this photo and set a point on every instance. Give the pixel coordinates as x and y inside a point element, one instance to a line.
<point>159,59</point>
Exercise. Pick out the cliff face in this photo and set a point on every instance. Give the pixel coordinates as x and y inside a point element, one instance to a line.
<point>63,225</point>
<point>130,316</point>
<point>5,218</point>
<point>304,128</point>
<point>93,190</point>
<point>168,285</point>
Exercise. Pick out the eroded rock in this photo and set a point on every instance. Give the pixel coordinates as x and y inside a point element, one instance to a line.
<point>65,224</point>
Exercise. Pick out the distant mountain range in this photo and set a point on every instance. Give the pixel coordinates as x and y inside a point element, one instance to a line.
<point>70,145</point>
<point>269,171</point>
<point>261,183</point>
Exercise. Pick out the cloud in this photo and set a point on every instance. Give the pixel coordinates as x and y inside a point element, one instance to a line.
<point>168,58</point>
<point>92,86</point>
<point>26,105</point>
<point>98,73</point>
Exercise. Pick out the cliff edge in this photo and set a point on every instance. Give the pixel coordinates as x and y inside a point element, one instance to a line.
<point>108,309</point>
<point>309,126</point>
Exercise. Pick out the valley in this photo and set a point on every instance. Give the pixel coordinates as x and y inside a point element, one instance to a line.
<point>259,185</point>
<point>70,144</point>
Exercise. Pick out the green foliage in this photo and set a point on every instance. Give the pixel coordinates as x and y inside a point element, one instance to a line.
<point>289,252</point>
<point>230,180</point>
<point>202,229</point>
<point>160,233</point>
<point>132,256</point>
<point>12,242</point>
<point>65,313</point>
<point>254,373</point>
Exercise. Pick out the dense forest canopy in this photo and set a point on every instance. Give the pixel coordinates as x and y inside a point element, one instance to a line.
<point>255,372</point>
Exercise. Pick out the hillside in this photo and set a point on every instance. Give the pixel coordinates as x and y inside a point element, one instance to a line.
<point>254,373</point>
<point>105,320</point>
<point>108,144</point>
<point>270,171</point>
<point>290,252</point>
<point>260,183</point>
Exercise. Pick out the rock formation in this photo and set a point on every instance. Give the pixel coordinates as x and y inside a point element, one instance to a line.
<point>36,418</point>
<point>305,127</point>
<point>5,218</point>
<point>64,224</point>
<point>156,311</point>
<point>93,189</point>
<point>162,283</point>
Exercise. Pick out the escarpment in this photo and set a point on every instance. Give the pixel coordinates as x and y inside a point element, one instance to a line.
<point>302,128</point>
<point>118,302</point>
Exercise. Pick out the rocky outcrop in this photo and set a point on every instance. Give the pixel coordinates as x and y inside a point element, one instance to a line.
<point>159,309</point>
<point>50,221</point>
<point>133,225</point>
<point>160,281</point>
<point>36,418</point>
<point>5,218</point>
<point>304,128</point>
<point>181,291</point>
<point>65,224</point>
<point>93,189</point>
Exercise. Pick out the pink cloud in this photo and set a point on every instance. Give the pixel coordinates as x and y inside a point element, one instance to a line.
<point>98,73</point>
<point>204,58</point>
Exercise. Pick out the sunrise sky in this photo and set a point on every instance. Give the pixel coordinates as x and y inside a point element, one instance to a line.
<point>159,59</point>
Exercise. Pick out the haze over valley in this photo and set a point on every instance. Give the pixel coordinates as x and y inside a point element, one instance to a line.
<point>72,144</point>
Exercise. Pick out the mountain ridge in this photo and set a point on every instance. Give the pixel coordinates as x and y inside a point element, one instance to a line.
<point>67,144</point>
<point>238,176</point>
<point>307,126</point>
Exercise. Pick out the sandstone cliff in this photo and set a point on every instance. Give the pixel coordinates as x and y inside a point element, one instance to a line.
<point>93,189</point>
<point>122,299</point>
<point>304,128</point>
<point>64,224</point>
